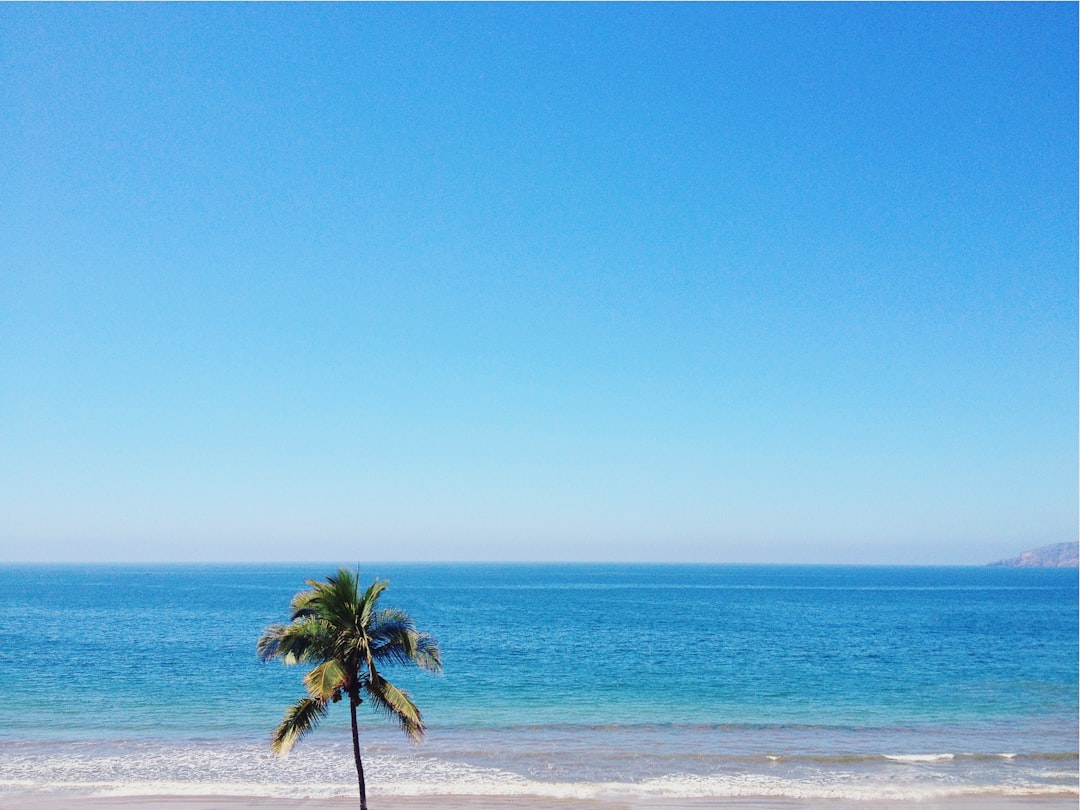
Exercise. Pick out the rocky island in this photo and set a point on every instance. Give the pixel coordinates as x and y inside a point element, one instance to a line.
<point>1058,555</point>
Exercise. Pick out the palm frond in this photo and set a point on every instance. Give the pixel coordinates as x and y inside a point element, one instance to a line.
<point>426,652</point>
<point>388,621</point>
<point>300,605</point>
<point>325,680</point>
<point>394,638</point>
<point>306,639</point>
<point>370,601</point>
<point>336,600</point>
<point>390,634</point>
<point>300,718</point>
<point>395,703</point>
<point>269,642</point>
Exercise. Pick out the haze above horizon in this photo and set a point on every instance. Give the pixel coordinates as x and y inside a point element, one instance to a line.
<point>713,283</point>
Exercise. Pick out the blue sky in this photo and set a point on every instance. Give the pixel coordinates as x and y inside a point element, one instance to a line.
<point>772,283</point>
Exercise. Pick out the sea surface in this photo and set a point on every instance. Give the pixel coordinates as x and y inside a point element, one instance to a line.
<point>591,681</point>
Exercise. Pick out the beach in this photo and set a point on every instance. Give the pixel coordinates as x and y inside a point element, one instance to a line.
<point>48,802</point>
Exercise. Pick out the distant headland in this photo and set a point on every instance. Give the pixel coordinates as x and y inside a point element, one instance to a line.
<point>1058,555</point>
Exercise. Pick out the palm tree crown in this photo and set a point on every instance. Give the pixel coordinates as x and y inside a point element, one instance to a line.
<point>348,638</point>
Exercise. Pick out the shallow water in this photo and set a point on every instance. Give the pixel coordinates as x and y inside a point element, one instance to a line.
<point>561,680</point>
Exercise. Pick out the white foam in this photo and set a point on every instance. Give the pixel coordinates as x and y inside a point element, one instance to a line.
<point>920,757</point>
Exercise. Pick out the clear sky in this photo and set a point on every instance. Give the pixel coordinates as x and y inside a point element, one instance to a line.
<point>773,283</point>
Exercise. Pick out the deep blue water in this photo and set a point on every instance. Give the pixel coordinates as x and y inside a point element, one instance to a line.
<point>642,671</point>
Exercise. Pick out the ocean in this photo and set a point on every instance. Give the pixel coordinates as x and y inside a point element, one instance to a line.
<point>589,681</point>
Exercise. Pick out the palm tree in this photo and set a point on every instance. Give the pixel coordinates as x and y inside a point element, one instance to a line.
<point>349,638</point>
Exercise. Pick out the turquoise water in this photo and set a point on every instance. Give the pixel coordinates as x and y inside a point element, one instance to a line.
<point>584,680</point>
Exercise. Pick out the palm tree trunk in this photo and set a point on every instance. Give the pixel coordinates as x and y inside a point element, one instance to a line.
<point>356,756</point>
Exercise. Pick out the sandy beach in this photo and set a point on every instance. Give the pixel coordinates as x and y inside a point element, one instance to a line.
<point>43,801</point>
